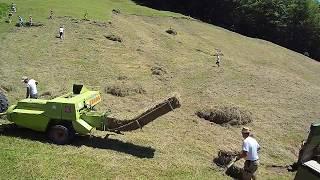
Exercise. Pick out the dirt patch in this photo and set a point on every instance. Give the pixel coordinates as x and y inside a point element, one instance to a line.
<point>225,115</point>
<point>113,37</point>
<point>123,89</point>
<point>171,31</point>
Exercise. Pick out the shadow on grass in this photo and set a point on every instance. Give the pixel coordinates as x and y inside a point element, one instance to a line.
<point>89,141</point>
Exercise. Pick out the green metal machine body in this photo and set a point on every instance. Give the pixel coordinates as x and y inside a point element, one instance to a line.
<point>74,113</point>
<point>75,107</point>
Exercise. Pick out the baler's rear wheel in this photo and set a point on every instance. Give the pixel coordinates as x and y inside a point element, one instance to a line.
<point>3,103</point>
<point>60,134</point>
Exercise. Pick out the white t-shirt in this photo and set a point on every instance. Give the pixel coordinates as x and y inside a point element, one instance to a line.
<point>61,30</point>
<point>32,86</point>
<point>251,146</point>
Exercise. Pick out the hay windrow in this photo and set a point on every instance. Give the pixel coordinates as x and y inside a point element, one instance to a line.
<point>226,115</point>
<point>113,37</point>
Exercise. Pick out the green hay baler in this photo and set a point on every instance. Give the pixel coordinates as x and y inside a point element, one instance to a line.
<point>73,113</point>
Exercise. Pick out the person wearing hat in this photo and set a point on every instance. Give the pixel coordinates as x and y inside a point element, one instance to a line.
<point>250,149</point>
<point>31,84</point>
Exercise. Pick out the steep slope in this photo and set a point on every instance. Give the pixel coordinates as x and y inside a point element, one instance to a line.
<point>279,87</point>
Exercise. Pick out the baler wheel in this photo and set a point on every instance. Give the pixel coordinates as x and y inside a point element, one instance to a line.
<point>60,134</point>
<point>3,103</point>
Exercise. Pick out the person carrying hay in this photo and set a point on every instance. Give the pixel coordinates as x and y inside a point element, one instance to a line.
<point>250,149</point>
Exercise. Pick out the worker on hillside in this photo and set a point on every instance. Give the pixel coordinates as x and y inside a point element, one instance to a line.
<point>10,17</point>
<point>30,20</point>
<point>250,149</point>
<point>20,21</point>
<point>61,32</point>
<point>51,14</point>
<point>86,16</point>
<point>31,84</point>
<point>13,7</point>
<point>218,60</point>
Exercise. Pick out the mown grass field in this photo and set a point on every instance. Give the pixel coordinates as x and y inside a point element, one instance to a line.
<point>280,88</point>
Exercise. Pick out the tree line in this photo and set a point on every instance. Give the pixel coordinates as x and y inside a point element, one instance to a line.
<point>294,24</point>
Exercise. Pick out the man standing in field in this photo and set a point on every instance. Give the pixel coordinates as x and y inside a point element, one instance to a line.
<point>31,84</point>
<point>61,32</point>
<point>30,21</point>
<point>250,148</point>
<point>20,21</point>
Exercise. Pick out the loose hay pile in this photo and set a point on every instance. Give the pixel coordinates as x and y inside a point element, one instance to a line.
<point>224,158</point>
<point>235,172</point>
<point>225,115</point>
<point>124,89</point>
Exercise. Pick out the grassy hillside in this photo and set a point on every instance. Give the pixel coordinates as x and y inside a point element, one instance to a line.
<point>279,87</point>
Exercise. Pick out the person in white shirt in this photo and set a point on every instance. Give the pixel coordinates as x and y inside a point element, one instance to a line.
<point>250,149</point>
<point>31,85</point>
<point>61,32</point>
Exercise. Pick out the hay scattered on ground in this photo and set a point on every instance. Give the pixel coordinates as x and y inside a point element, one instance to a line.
<point>113,37</point>
<point>46,94</point>
<point>100,24</point>
<point>226,115</point>
<point>6,88</point>
<point>234,172</point>
<point>91,39</point>
<point>123,89</point>
<point>122,78</point>
<point>224,158</point>
<point>116,11</point>
<point>158,70</point>
<point>171,31</point>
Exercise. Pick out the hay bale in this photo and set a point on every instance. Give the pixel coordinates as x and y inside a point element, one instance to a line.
<point>113,37</point>
<point>226,115</point>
